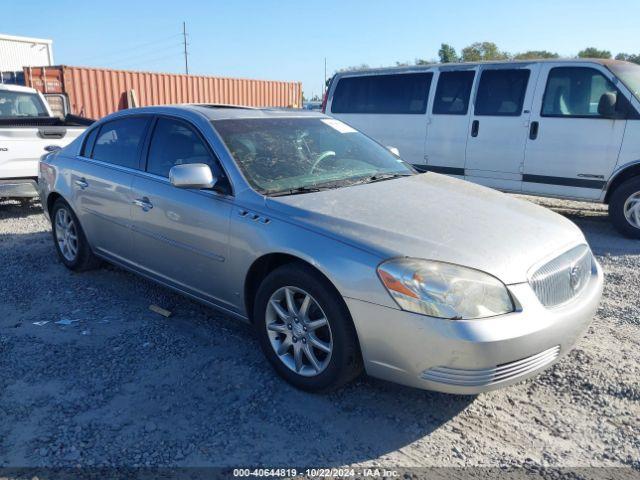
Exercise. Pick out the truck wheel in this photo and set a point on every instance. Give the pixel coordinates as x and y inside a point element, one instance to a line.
<point>624,208</point>
<point>305,329</point>
<point>68,237</point>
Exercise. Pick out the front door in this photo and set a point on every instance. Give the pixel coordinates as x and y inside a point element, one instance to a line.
<point>181,235</point>
<point>572,148</point>
<point>499,125</point>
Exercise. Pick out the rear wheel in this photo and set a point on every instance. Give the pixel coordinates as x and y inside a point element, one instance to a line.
<point>624,208</point>
<point>69,239</point>
<point>305,329</point>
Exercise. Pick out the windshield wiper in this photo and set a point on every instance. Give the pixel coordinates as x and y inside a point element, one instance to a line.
<point>380,177</point>
<point>296,191</point>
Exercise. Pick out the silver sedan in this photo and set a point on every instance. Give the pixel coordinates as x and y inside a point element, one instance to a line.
<point>340,254</point>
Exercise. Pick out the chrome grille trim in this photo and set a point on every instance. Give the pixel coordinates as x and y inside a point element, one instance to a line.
<point>563,278</point>
<point>489,376</point>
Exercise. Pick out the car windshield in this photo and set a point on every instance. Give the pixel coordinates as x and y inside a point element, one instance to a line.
<point>629,74</point>
<point>294,155</point>
<point>21,104</point>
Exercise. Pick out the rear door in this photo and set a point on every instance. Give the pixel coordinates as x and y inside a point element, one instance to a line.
<point>181,235</point>
<point>499,125</point>
<point>448,121</point>
<point>572,148</point>
<point>101,183</point>
<point>390,108</point>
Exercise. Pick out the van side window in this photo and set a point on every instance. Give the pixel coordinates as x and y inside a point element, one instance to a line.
<point>88,142</point>
<point>501,92</point>
<point>175,143</point>
<point>453,92</point>
<point>405,93</point>
<point>575,92</point>
<point>119,141</point>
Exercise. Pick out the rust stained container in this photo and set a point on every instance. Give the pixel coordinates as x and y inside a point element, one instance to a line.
<point>96,92</point>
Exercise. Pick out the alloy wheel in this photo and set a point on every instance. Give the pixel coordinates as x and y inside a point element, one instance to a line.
<point>632,209</point>
<point>66,234</point>
<point>299,331</point>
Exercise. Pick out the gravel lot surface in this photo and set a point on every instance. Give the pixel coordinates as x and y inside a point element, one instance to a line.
<point>124,386</point>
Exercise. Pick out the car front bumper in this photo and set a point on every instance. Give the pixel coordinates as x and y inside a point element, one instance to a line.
<point>472,356</point>
<point>18,188</point>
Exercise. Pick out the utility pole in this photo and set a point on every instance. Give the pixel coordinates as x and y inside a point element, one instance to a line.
<point>186,59</point>
<point>324,83</point>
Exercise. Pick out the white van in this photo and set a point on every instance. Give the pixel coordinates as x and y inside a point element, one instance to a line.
<point>558,128</point>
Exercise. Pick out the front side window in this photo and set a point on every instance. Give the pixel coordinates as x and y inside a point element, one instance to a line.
<point>501,92</point>
<point>119,141</point>
<point>174,143</point>
<point>278,155</point>
<point>575,92</point>
<point>629,74</point>
<point>453,92</point>
<point>21,104</point>
<point>405,93</point>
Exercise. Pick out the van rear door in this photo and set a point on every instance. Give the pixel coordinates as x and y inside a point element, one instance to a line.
<point>390,108</point>
<point>572,148</point>
<point>500,124</point>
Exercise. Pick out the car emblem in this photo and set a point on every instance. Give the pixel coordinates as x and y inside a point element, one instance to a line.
<point>575,277</point>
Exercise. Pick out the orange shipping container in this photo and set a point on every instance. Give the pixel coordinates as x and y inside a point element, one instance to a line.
<point>96,92</point>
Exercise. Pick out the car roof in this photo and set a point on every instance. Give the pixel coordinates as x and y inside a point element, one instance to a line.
<point>16,88</point>
<point>225,112</point>
<point>453,65</point>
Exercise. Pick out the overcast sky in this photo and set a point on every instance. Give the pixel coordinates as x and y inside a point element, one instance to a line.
<point>288,40</point>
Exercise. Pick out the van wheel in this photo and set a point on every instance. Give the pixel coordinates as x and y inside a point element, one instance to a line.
<point>69,239</point>
<point>624,208</point>
<point>305,329</point>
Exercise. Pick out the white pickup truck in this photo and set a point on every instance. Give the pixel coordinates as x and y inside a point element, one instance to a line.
<point>28,129</point>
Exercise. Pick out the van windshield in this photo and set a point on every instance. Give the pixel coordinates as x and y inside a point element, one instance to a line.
<point>629,74</point>
<point>21,104</point>
<point>285,156</point>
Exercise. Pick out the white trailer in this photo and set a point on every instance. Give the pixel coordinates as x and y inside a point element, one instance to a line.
<point>19,52</point>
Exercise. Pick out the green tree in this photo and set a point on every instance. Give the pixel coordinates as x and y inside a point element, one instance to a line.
<point>535,54</point>
<point>362,66</point>
<point>447,54</point>
<point>592,52</point>
<point>480,51</point>
<point>635,58</point>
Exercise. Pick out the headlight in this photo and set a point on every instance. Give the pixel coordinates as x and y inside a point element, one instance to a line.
<point>444,290</point>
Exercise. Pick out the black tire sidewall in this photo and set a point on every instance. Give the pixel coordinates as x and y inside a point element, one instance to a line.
<point>616,207</point>
<point>83,248</point>
<point>344,363</point>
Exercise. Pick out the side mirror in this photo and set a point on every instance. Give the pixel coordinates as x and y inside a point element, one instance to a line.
<point>192,175</point>
<point>394,150</point>
<point>607,105</point>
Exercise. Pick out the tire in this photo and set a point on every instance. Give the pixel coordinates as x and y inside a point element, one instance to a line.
<point>621,210</point>
<point>75,254</point>
<point>331,370</point>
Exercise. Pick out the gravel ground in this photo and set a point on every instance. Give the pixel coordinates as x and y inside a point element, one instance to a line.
<point>124,386</point>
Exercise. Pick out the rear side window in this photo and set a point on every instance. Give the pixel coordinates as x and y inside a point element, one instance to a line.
<point>119,141</point>
<point>453,92</point>
<point>88,142</point>
<point>175,143</point>
<point>383,94</point>
<point>575,92</point>
<point>501,92</point>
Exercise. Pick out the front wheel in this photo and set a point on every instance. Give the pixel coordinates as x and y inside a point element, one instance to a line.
<point>624,208</point>
<point>305,329</point>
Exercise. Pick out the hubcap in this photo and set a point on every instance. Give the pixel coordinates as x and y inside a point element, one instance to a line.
<point>299,331</point>
<point>632,209</point>
<point>66,234</point>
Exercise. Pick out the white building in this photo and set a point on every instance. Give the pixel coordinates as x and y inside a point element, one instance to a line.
<point>19,52</point>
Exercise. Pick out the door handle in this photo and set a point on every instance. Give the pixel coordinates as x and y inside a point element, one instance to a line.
<point>143,203</point>
<point>533,130</point>
<point>82,183</point>
<point>475,128</point>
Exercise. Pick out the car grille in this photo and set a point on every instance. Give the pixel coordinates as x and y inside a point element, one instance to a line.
<point>564,277</point>
<point>489,376</point>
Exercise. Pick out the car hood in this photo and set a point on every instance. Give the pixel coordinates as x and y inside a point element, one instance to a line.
<point>437,217</point>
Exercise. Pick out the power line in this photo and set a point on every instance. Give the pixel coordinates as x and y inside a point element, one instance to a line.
<point>137,47</point>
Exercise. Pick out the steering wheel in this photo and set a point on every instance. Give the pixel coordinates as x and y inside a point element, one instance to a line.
<point>321,157</point>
